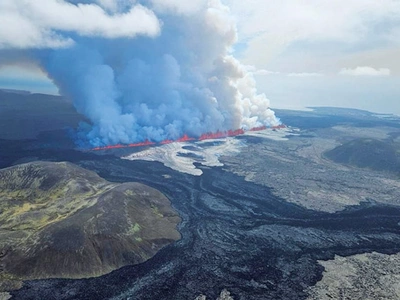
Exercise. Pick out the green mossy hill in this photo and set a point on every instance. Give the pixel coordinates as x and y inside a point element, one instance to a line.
<point>58,220</point>
<point>367,153</point>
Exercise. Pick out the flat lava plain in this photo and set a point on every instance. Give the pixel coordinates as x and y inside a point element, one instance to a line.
<point>243,227</point>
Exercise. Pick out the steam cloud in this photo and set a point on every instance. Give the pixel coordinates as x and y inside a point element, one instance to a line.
<point>147,69</point>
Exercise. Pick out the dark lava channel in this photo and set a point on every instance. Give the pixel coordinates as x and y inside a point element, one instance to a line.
<point>235,235</point>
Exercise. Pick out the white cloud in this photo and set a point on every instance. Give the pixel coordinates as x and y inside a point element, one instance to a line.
<point>263,72</point>
<point>111,5</point>
<point>25,72</point>
<point>40,24</point>
<point>365,71</point>
<point>305,74</point>
<point>179,6</point>
<point>269,27</point>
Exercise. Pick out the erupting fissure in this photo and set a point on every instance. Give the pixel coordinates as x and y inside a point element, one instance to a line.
<point>135,71</point>
<point>118,146</point>
<point>186,138</point>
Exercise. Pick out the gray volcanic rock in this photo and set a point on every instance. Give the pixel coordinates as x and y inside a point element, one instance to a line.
<point>225,295</point>
<point>367,153</point>
<point>58,220</point>
<point>368,276</point>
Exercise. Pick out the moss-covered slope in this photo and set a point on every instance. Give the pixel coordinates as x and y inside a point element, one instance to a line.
<point>58,220</point>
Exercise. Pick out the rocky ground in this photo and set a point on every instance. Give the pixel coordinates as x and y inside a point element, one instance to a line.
<point>61,221</point>
<point>298,172</point>
<point>235,235</point>
<point>225,295</point>
<point>256,239</point>
<point>369,276</point>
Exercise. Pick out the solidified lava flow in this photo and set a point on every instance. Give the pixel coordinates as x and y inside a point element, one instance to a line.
<point>186,138</point>
<point>235,234</point>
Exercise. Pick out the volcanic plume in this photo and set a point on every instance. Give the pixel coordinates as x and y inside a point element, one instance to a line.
<point>152,70</point>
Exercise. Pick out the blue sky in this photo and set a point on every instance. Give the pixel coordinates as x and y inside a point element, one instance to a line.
<point>323,53</point>
<point>147,69</point>
<point>24,78</point>
<point>303,53</point>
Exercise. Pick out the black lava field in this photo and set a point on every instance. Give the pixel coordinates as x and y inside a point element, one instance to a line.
<point>235,235</point>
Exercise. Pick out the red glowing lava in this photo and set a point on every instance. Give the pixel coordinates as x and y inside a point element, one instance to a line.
<point>258,128</point>
<point>220,134</point>
<point>186,138</point>
<point>165,142</point>
<point>282,126</point>
<point>142,144</point>
<point>120,146</point>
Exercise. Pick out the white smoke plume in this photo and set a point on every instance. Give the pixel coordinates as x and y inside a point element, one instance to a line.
<point>140,70</point>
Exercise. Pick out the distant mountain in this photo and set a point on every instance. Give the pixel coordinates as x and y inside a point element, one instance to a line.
<point>58,220</point>
<point>21,92</point>
<point>367,153</point>
<point>24,115</point>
